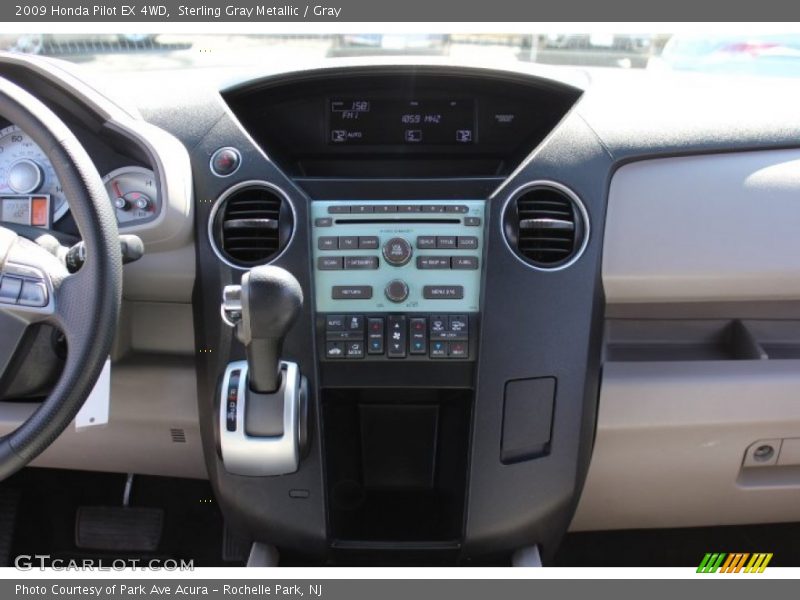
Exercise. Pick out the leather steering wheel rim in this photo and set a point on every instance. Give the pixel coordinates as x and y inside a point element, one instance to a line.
<point>87,303</point>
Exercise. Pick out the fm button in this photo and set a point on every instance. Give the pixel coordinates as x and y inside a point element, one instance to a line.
<point>397,251</point>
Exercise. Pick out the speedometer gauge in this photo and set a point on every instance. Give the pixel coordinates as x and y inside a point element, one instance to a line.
<point>26,170</point>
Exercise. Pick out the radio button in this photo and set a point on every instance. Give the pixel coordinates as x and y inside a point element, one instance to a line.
<point>465,262</point>
<point>432,208</point>
<point>328,243</point>
<point>472,221</point>
<point>397,290</point>
<point>354,263</point>
<point>397,251</point>
<point>426,242</point>
<point>323,222</point>
<point>369,242</point>
<point>456,208</point>
<point>467,242</point>
<point>329,263</point>
<point>446,242</point>
<point>349,242</point>
<point>433,262</point>
<point>362,209</point>
<point>408,208</point>
<point>338,209</point>
<point>351,292</point>
<point>443,292</point>
<point>386,208</point>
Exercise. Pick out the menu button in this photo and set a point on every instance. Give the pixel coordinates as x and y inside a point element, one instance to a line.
<point>443,292</point>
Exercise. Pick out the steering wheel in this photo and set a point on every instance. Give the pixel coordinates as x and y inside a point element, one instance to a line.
<point>36,286</point>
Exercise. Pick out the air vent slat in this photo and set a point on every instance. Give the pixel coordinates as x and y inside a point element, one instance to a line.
<point>251,225</point>
<point>545,226</point>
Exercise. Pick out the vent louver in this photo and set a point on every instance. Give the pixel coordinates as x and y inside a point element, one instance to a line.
<point>545,226</point>
<point>251,225</point>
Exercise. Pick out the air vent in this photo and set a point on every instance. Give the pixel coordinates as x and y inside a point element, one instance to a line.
<point>546,226</point>
<point>250,224</point>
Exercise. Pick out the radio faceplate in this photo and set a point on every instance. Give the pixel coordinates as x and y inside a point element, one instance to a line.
<point>398,256</point>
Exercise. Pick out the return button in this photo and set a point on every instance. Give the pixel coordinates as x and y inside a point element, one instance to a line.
<point>351,292</point>
<point>443,292</point>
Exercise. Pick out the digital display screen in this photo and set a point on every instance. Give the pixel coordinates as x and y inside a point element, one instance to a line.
<point>25,210</point>
<point>397,121</point>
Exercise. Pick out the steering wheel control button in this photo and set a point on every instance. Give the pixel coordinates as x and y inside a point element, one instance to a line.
<point>443,292</point>
<point>396,326</point>
<point>351,292</point>
<point>33,294</point>
<point>418,326</point>
<point>225,161</point>
<point>397,290</point>
<point>10,288</point>
<point>397,251</point>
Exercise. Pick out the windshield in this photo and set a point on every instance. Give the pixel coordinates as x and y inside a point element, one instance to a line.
<point>771,54</point>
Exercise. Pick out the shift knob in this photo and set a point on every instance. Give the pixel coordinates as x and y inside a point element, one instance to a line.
<point>271,299</point>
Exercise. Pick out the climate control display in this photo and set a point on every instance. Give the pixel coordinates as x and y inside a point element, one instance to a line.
<point>404,256</point>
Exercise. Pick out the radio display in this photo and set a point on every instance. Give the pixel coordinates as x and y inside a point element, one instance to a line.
<point>398,121</point>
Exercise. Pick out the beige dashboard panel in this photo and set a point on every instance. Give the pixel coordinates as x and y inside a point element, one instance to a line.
<point>721,227</point>
<point>671,442</point>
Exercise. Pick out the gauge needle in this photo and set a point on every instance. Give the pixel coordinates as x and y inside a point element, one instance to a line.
<point>117,191</point>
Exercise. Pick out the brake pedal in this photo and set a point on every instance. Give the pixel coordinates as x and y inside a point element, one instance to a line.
<point>120,528</point>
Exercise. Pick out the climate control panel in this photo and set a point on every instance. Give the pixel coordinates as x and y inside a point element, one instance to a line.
<point>398,256</point>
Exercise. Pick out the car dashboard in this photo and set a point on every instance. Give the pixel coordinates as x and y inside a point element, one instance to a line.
<point>531,303</point>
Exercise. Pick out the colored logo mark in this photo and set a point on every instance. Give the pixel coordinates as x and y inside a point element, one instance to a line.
<point>736,562</point>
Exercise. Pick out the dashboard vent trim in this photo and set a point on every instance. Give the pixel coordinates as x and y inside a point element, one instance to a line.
<point>251,224</point>
<point>545,225</point>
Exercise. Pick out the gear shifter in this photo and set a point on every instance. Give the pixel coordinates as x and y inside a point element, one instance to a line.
<point>263,406</point>
<point>269,300</point>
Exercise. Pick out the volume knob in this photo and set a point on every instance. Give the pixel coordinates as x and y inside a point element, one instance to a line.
<point>396,290</point>
<point>397,251</point>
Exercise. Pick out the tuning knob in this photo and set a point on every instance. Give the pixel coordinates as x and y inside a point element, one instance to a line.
<point>396,290</point>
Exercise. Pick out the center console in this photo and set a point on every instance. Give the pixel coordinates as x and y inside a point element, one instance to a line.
<point>439,398</point>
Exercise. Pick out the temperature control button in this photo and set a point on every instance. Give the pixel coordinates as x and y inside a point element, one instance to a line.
<point>397,251</point>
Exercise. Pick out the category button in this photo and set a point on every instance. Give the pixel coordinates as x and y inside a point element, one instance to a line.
<point>465,262</point>
<point>329,263</point>
<point>443,292</point>
<point>351,292</point>
<point>360,262</point>
<point>433,262</point>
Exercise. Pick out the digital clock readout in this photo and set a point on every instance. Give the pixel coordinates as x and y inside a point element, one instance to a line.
<point>387,121</point>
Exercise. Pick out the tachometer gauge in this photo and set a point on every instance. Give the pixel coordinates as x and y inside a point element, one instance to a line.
<point>25,170</point>
<point>133,193</point>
